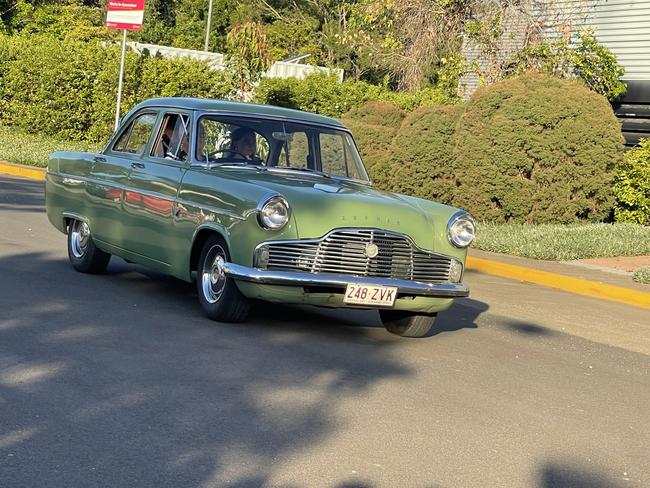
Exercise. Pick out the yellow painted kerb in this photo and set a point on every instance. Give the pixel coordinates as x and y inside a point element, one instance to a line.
<point>561,282</point>
<point>24,171</point>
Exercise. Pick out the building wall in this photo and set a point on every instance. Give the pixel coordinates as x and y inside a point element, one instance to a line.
<point>623,26</point>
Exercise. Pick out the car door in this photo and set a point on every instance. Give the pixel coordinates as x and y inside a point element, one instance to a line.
<point>110,176</point>
<point>153,188</point>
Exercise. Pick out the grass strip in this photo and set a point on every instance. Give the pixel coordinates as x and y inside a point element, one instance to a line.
<point>33,149</point>
<point>559,242</point>
<point>642,275</point>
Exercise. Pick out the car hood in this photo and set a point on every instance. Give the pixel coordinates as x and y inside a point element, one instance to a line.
<point>320,204</point>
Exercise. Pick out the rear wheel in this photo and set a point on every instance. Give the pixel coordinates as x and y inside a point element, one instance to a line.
<point>407,324</point>
<point>219,296</point>
<point>84,255</point>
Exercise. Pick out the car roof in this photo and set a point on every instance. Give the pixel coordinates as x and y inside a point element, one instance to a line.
<point>204,104</point>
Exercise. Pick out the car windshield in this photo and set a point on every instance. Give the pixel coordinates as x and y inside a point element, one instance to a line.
<point>280,145</point>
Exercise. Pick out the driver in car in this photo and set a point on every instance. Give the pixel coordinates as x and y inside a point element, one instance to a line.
<point>243,144</point>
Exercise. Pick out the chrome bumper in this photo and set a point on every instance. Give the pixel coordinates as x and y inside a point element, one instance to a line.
<point>289,278</point>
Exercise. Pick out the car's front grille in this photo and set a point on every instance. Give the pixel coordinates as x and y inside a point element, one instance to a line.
<point>347,251</point>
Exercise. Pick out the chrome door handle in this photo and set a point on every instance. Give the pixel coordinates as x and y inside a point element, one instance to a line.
<point>100,159</point>
<point>137,165</point>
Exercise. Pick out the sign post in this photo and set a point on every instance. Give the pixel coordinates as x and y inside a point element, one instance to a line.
<point>126,15</point>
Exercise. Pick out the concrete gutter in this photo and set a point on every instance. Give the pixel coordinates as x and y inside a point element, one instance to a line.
<point>494,264</point>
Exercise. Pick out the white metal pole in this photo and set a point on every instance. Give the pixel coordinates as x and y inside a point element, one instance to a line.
<point>207,30</point>
<point>119,85</point>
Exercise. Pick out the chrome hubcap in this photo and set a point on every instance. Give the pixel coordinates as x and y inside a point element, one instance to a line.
<point>213,279</point>
<point>79,238</point>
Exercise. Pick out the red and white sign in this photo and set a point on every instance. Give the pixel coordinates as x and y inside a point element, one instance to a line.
<point>125,14</point>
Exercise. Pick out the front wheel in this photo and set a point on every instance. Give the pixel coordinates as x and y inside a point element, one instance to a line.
<point>219,296</point>
<point>84,255</point>
<point>406,324</point>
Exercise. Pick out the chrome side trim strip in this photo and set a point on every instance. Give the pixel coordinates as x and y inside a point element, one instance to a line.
<point>407,287</point>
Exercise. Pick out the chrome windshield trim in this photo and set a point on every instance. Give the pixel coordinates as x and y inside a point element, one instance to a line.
<point>288,278</point>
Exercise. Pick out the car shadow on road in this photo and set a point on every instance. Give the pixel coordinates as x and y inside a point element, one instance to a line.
<point>565,475</point>
<point>119,380</point>
<point>346,323</point>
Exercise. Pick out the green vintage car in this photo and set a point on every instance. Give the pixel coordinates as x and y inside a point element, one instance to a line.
<point>257,202</point>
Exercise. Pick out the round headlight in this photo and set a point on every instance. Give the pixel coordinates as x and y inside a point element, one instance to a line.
<point>273,212</point>
<point>461,229</point>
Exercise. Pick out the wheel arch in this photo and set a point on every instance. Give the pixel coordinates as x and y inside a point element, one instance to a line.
<point>68,217</point>
<point>200,237</point>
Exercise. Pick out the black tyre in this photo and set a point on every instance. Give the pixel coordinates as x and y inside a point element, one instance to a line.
<point>84,255</point>
<point>219,296</point>
<point>406,324</point>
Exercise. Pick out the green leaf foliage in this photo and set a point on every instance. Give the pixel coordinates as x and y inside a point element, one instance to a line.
<point>633,186</point>
<point>375,125</point>
<point>419,160</point>
<point>537,149</point>
<point>324,94</point>
<point>585,59</point>
<point>67,89</point>
<point>642,275</point>
<point>530,149</point>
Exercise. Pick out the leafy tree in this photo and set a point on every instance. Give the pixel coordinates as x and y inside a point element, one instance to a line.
<point>248,54</point>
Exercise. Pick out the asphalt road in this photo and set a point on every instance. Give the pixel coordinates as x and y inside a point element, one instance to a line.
<point>119,381</point>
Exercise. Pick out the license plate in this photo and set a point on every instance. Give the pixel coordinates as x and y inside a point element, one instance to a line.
<point>380,296</point>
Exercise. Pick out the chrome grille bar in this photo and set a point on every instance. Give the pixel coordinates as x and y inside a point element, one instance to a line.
<point>343,251</point>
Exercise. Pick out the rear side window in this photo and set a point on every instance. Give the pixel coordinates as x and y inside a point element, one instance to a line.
<point>135,137</point>
<point>172,141</point>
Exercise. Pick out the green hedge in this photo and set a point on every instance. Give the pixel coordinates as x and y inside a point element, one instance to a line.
<point>67,89</point>
<point>633,186</point>
<point>324,94</point>
<point>531,149</point>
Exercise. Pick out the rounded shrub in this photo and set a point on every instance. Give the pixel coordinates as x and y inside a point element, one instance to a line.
<point>537,149</point>
<point>374,125</point>
<point>633,186</point>
<point>376,112</point>
<point>420,158</point>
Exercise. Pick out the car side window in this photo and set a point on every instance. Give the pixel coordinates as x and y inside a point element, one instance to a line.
<point>135,137</point>
<point>172,141</point>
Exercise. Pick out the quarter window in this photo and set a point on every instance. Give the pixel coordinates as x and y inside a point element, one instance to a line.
<point>135,137</point>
